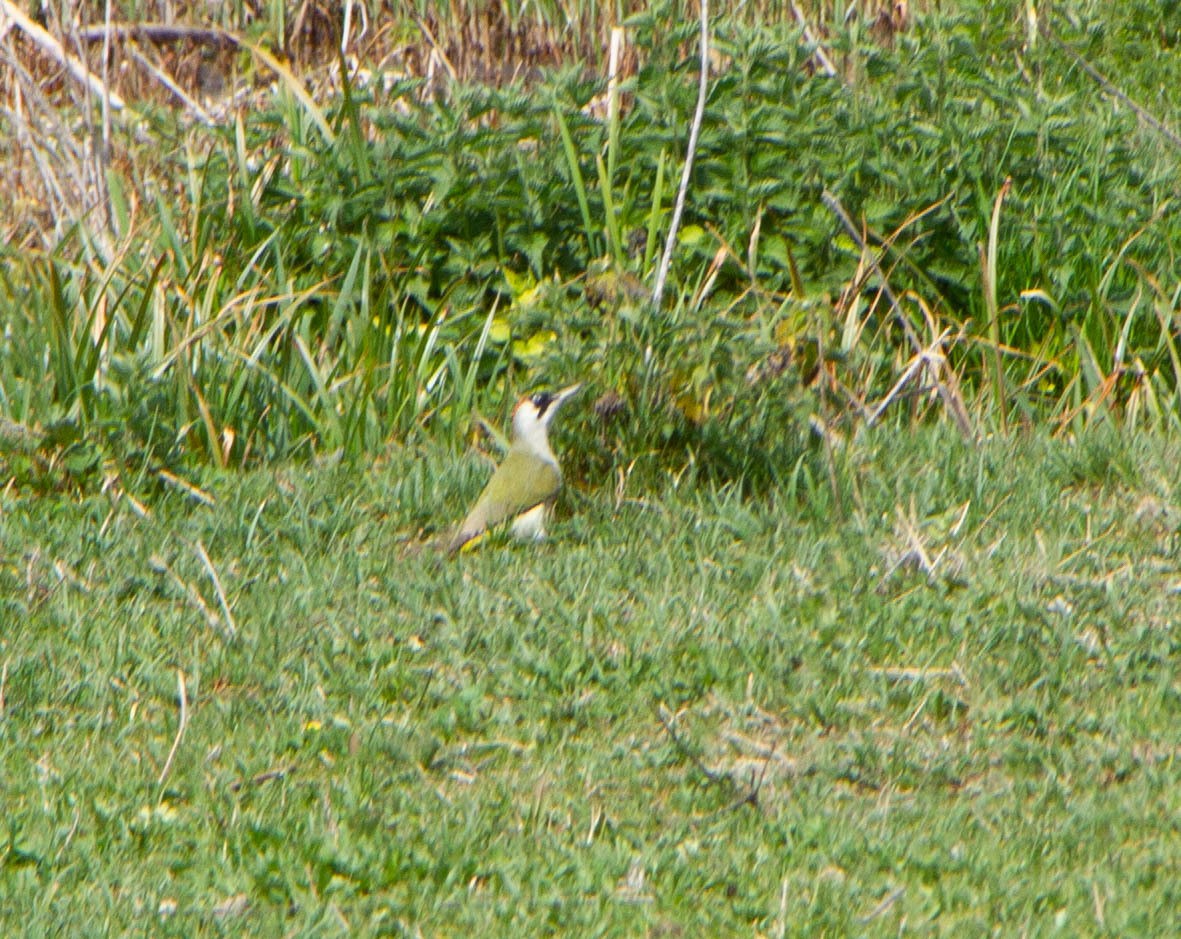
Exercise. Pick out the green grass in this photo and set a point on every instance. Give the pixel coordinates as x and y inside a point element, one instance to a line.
<point>480,745</point>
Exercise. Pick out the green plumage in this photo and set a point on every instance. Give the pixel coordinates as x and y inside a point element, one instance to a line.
<point>522,482</point>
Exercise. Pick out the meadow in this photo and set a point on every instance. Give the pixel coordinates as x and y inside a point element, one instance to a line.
<point>857,617</point>
<point>947,707</point>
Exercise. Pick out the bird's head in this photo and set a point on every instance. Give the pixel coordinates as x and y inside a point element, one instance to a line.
<point>533,415</point>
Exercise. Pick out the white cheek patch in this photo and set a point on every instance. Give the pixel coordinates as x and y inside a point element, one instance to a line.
<point>530,526</point>
<point>533,437</point>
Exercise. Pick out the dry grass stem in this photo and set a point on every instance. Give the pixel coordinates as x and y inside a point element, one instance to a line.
<point>168,82</point>
<point>818,52</point>
<point>194,492</point>
<point>231,628</point>
<point>182,723</point>
<point>190,592</point>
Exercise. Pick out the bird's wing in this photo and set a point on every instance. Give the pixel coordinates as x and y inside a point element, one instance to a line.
<point>519,483</point>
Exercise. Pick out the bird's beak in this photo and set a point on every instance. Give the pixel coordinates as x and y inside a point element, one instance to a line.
<point>566,393</point>
<point>559,399</point>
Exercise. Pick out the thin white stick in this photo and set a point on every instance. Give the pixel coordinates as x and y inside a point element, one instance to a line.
<point>347,28</point>
<point>180,727</point>
<point>702,88</point>
<point>8,11</point>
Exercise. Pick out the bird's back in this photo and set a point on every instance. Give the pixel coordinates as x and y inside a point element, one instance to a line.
<point>522,482</point>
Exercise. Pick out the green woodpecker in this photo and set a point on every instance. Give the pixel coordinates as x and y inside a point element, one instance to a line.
<point>525,486</point>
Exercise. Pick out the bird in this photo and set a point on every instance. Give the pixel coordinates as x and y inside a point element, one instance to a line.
<point>525,486</point>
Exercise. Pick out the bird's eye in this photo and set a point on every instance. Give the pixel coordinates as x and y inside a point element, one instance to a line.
<point>541,401</point>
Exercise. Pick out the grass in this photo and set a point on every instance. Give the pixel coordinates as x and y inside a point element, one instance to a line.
<point>946,703</point>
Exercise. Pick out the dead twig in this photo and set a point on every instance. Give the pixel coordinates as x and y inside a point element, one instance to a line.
<point>9,12</point>
<point>158,33</point>
<point>680,744</point>
<point>748,797</point>
<point>264,777</point>
<point>751,797</point>
<point>927,359</point>
<point>948,392</point>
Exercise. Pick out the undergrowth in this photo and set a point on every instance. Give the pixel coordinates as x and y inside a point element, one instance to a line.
<point>321,283</point>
